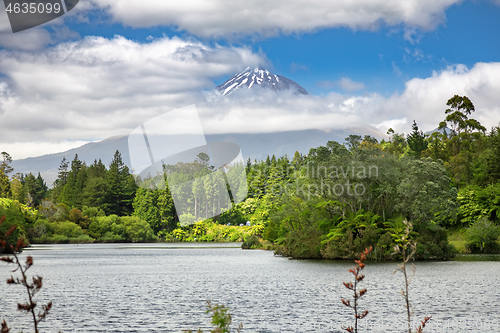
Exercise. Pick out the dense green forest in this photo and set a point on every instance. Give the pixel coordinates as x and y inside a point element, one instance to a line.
<point>331,203</point>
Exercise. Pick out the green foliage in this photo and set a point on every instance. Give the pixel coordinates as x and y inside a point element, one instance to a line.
<point>73,187</point>
<point>5,170</point>
<point>233,217</point>
<point>359,230</point>
<point>221,319</point>
<point>76,216</point>
<point>493,157</point>
<point>208,231</point>
<point>353,141</point>
<point>334,203</point>
<point>62,179</point>
<point>5,190</point>
<point>121,188</point>
<point>302,226</point>
<point>477,203</point>
<point>15,215</point>
<point>53,212</point>
<point>91,212</point>
<point>113,228</point>
<point>111,190</point>
<point>34,190</point>
<point>416,141</point>
<point>107,229</point>
<point>424,192</point>
<point>156,207</point>
<point>250,242</point>
<point>483,237</point>
<point>432,242</point>
<point>137,230</point>
<point>16,188</point>
<point>58,232</point>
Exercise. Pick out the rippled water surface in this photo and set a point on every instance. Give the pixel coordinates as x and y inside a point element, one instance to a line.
<point>163,288</point>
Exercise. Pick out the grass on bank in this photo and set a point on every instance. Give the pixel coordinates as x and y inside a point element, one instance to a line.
<point>456,239</point>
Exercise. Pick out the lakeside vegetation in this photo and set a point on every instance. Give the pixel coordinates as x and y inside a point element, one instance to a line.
<point>331,203</point>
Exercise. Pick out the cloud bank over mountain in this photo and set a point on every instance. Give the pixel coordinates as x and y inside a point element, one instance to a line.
<point>96,88</point>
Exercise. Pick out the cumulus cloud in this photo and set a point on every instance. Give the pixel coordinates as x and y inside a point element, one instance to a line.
<point>31,39</point>
<point>97,87</point>
<point>423,100</point>
<point>228,18</point>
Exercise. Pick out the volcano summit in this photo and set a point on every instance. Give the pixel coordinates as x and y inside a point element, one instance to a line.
<point>259,77</point>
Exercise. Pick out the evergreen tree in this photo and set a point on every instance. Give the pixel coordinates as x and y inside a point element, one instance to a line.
<point>416,140</point>
<point>62,178</point>
<point>493,160</point>
<point>16,188</point>
<point>96,187</point>
<point>297,159</point>
<point>4,185</point>
<point>156,207</point>
<point>72,192</point>
<point>42,187</point>
<point>121,188</point>
<point>5,169</point>
<point>33,190</point>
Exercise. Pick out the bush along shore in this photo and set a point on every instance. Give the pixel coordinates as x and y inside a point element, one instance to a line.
<point>12,242</point>
<point>331,203</point>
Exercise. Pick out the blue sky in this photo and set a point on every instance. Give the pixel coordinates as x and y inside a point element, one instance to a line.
<point>108,65</point>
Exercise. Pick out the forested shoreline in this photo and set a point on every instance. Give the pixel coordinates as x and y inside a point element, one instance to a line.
<point>331,203</point>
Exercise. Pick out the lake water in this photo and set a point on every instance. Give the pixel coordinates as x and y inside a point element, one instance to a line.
<point>163,288</point>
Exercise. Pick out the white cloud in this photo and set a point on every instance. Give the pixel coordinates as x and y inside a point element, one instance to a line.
<point>227,18</point>
<point>425,99</point>
<point>29,40</point>
<point>19,150</point>
<point>97,87</point>
<point>35,38</point>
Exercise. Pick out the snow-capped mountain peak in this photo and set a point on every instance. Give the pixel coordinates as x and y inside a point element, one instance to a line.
<point>258,77</point>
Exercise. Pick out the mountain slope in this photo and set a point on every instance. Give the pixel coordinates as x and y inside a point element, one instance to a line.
<point>258,77</point>
<point>254,146</point>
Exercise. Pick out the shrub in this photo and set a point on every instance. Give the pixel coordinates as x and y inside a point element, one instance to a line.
<point>250,242</point>
<point>482,237</point>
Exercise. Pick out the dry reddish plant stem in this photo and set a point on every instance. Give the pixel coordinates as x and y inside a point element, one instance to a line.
<point>407,248</point>
<point>358,277</point>
<point>31,288</point>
